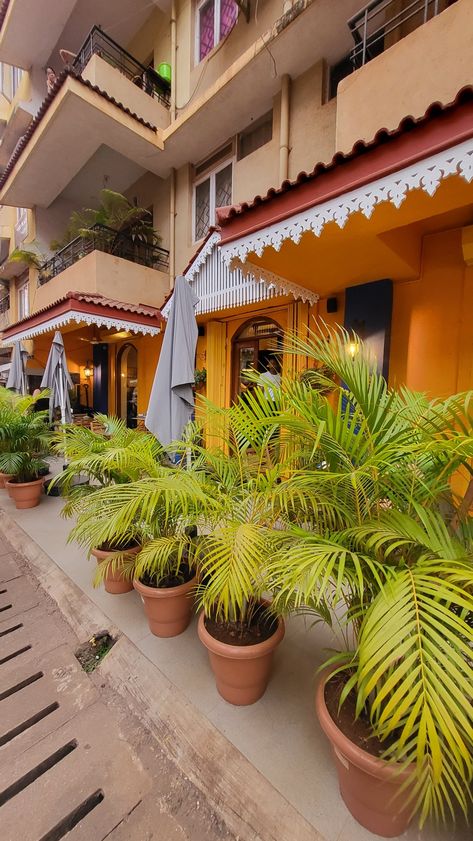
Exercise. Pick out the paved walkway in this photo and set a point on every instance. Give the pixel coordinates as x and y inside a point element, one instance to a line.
<point>73,760</point>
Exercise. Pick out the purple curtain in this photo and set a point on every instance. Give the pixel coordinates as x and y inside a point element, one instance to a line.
<point>206,34</point>
<point>228,16</point>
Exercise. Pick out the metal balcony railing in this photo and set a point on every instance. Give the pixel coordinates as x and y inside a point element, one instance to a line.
<point>4,304</point>
<point>99,43</point>
<point>373,25</point>
<point>101,238</point>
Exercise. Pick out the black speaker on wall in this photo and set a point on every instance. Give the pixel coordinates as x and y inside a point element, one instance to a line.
<point>332,305</point>
<point>201,329</point>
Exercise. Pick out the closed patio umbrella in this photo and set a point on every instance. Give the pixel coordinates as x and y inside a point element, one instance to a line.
<point>17,379</point>
<point>58,380</point>
<point>172,399</point>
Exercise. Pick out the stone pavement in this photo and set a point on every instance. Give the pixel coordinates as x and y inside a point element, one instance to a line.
<point>74,761</point>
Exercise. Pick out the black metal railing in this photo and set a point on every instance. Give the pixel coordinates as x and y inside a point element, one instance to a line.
<point>99,43</point>
<point>102,238</point>
<point>4,304</point>
<point>382,21</point>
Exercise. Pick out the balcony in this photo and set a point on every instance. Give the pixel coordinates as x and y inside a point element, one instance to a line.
<point>381,23</point>
<point>405,62</point>
<point>108,241</point>
<point>136,273</point>
<point>145,78</point>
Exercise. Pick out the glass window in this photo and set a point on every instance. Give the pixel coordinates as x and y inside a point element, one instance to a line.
<point>213,192</point>
<point>215,19</point>
<point>23,300</point>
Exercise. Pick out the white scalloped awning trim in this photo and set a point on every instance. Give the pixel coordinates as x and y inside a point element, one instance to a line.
<point>81,318</point>
<point>219,287</point>
<point>425,175</point>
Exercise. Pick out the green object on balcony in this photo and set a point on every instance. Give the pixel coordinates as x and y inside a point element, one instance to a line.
<point>164,70</point>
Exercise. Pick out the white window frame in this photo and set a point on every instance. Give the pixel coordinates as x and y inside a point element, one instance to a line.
<point>210,174</point>
<point>217,39</point>
<point>23,288</point>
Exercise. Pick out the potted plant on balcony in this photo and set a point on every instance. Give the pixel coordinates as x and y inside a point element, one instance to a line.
<point>386,554</point>
<point>24,443</point>
<point>116,456</point>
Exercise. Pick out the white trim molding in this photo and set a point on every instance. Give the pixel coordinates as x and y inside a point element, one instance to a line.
<point>80,318</point>
<point>220,287</point>
<point>425,175</point>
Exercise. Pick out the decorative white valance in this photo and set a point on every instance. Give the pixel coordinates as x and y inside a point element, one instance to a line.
<point>425,175</point>
<point>80,318</point>
<point>219,288</point>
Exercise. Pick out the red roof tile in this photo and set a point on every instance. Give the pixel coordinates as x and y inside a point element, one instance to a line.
<point>360,148</point>
<point>97,300</point>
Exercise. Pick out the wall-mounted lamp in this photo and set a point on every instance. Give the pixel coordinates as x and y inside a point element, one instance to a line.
<point>353,348</point>
<point>88,370</point>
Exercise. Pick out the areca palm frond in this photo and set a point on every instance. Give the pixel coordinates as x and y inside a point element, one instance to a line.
<point>414,667</point>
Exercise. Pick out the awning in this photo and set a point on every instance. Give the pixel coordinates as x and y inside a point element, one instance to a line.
<point>419,156</point>
<point>220,288</point>
<point>88,309</point>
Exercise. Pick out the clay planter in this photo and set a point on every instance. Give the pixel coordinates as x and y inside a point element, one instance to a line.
<point>114,582</point>
<point>25,494</point>
<point>4,477</point>
<point>168,609</point>
<point>369,786</point>
<point>241,671</point>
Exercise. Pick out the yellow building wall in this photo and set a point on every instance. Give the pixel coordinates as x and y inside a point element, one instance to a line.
<point>312,123</point>
<point>432,333</point>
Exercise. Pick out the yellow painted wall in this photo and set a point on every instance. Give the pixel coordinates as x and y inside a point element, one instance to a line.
<point>429,65</point>
<point>151,190</point>
<point>432,334</point>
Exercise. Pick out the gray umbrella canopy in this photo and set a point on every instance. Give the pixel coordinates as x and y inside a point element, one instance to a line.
<point>172,400</point>
<point>17,379</point>
<point>58,380</point>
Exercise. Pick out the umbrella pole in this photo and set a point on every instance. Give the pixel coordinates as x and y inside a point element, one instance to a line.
<point>63,408</point>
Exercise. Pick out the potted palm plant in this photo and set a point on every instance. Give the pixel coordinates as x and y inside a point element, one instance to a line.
<point>386,552</point>
<point>160,510</point>
<point>237,625</point>
<point>110,458</point>
<point>24,443</point>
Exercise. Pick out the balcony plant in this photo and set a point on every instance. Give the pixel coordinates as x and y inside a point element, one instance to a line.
<point>24,443</point>
<point>104,459</point>
<point>385,553</point>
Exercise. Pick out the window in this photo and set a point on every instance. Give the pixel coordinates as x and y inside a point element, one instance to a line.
<point>21,226</point>
<point>256,135</point>
<point>215,19</point>
<point>23,300</point>
<point>211,192</point>
<point>17,75</point>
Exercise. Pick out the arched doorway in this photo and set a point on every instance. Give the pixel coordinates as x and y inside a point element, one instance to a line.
<point>256,346</point>
<point>127,384</point>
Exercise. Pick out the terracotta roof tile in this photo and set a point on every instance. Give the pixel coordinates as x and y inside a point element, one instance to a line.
<point>61,79</point>
<point>96,299</point>
<point>361,147</point>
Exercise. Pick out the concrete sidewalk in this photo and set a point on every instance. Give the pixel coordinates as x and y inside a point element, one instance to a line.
<point>73,759</point>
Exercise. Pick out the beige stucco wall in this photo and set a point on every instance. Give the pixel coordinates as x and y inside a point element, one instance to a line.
<point>151,190</point>
<point>185,247</point>
<point>312,123</point>
<point>102,74</point>
<point>111,276</point>
<point>431,64</point>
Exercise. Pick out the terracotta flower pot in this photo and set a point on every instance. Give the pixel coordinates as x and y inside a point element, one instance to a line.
<point>168,609</point>
<point>114,582</point>
<point>370,787</point>
<point>241,671</point>
<point>4,477</point>
<point>25,494</point>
